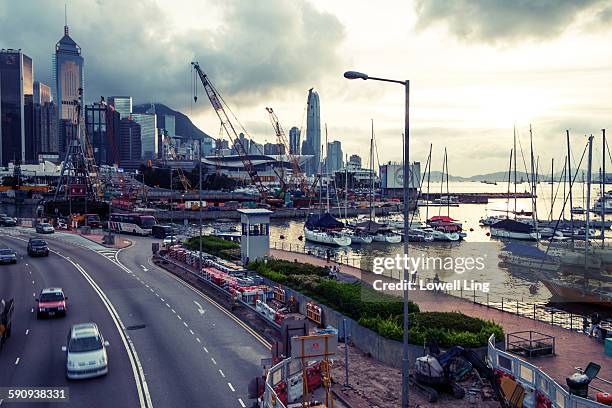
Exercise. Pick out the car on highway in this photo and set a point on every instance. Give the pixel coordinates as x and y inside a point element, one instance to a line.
<point>86,355</point>
<point>51,302</point>
<point>7,255</point>
<point>38,247</point>
<point>8,222</point>
<point>171,240</point>
<point>45,228</point>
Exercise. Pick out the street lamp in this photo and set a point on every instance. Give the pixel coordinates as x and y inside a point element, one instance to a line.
<point>406,277</point>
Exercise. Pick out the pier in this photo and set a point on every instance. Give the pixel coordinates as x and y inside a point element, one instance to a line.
<point>475,198</point>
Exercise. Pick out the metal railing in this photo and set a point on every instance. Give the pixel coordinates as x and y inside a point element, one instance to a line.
<point>534,310</point>
<point>531,376</point>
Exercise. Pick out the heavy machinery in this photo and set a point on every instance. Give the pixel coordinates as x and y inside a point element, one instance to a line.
<point>217,104</point>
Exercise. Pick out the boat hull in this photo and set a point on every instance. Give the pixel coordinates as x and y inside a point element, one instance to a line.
<point>321,237</point>
<point>525,236</point>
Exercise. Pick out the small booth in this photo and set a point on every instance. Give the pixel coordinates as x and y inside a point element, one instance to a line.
<point>255,236</point>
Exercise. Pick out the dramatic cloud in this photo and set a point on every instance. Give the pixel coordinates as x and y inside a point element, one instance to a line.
<point>502,21</point>
<point>135,48</point>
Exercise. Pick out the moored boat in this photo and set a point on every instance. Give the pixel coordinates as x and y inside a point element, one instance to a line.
<point>514,230</point>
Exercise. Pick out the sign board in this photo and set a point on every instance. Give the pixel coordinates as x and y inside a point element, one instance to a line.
<point>314,348</point>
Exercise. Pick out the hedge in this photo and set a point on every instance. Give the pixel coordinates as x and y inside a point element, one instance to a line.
<point>378,311</point>
<point>215,246</point>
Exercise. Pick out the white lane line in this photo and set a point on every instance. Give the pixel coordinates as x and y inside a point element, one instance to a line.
<point>173,311</point>
<point>185,323</point>
<point>152,291</point>
<point>162,299</point>
<point>157,294</point>
<point>198,339</point>
<point>147,285</point>
<point>34,294</point>
<point>17,361</point>
<point>32,311</point>
<point>221,372</point>
<point>205,349</point>
<point>231,387</point>
<point>200,308</point>
<point>179,317</point>
<point>241,403</point>
<point>32,282</point>
<point>191,331</point>
<point>167,305</point>
<point>27,331</point>
<point>214,361</point>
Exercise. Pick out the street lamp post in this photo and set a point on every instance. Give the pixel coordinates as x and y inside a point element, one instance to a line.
<point>406,277</point>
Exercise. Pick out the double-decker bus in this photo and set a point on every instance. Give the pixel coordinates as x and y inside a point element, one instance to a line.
<point>136,224</point>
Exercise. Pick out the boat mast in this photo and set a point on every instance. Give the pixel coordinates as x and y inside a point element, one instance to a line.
<point>552,186</point>
<point>569,173</point>
<point>514,148</point>
<point>346,187</point>
<point>509,181</point>
<point>603,189</point>
<point>588,209</point>
<point>428,180</point>
<point>534,205</point>
<point>372,171</point>
<point>447,190</point>
<point>326,166</point>
<point>320,182</point>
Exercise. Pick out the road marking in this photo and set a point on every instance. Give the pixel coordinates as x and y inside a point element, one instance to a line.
<point>198,339</point>
<point>173,311</point>
<point>191,331</point>
<point>200,308</point>
<point>32,282</point>
<point>221,372</point>
<point>27,331</point>
<point>151,289</point>
<point>241,403</point>
<point>231,387</point>
<point>144,268</point>
<point>167,305</point>
<point>17,361</point>
<point>32,311</point>
<point>162,299</point>
<point>34,294</point>
<point>205,349</point>
<point>179,317</point>
<point>213,360</point>
<point>185,323</point>
<point>157,294</point>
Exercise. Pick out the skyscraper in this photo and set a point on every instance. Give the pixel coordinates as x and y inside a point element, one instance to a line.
<point>334,160</point>
<point>294,140</point>
<point>102,124</point>
<point>130,148</point>
<point>69,77</point>
<point>122,104</point>
<point>44,121</point>
<point>354,161</point>
<point>313,130</point>
<point>16,98</point>
<point>148,134</point>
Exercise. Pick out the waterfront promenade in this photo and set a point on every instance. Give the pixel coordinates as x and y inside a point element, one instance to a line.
<point>572,348</point>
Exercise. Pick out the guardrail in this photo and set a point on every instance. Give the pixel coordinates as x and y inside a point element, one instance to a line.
<point>532,377</point>
<point>532,310</point>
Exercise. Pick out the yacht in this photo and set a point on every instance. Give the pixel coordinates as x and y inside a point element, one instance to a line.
<point>603,203</point>
<point>491,219</point>
<point>325,229</point>
<point>358,237</point>
<point>514,230</point>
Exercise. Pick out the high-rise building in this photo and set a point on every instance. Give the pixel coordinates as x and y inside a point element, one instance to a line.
<point>148,134</point>
<point>294,141</point>
<point>170,125</point>
<point>274,149</point>
<point>130,148</point>
<point>16,110</point>
<point>45,125</point>
<point>122,104</point>
<point>354,161</point>
<point>102,123</point>
<point>69,73</point>
<point>334,160</point>
<point>313,131</point>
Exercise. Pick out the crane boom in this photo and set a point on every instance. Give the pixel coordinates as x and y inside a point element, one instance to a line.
<point>229,128</point>
<point>297,178</point>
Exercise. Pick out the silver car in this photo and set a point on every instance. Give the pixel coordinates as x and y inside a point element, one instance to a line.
<point>7,255</point>
<point>86,355</point>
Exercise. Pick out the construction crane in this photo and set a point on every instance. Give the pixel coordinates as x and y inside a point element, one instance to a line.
<point>297,177</point>
<point>230,130</point>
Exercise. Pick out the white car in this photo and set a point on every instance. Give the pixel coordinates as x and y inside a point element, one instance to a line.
<point>85,352</point>
<point>171,240</point>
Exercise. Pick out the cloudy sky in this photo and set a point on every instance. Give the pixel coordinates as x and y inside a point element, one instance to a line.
<point>477,67</point>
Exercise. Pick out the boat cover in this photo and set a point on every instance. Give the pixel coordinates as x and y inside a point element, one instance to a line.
<point>444,218</point>
<point>371,227</point>
<point>323,221</point>
<point>513,226</point>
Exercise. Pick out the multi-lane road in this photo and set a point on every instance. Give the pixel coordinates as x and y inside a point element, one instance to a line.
<point>171,346</point>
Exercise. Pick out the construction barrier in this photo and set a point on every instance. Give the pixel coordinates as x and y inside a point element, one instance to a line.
<point>313,312</point>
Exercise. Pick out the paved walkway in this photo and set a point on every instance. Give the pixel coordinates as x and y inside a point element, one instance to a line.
<point>572,349</point>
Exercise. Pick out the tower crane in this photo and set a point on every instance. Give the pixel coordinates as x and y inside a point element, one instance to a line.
<point>217,104</point>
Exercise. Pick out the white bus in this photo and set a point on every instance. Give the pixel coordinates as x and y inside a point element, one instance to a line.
<point>136,224</point>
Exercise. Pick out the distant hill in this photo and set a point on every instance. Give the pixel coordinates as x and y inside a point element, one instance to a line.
<point>502,176</point>
<point>183,125</point>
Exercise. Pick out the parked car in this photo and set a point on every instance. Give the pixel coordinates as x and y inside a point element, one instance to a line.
<point>51,302</point>
<point>7,255</point>
<point>85,350</point>
<point>170,240</point>
<point>37,247</point>
<point>44,228</point>
<point>8,222</point>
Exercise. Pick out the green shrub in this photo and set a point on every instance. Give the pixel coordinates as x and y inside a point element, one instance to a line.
<point>215,246</point>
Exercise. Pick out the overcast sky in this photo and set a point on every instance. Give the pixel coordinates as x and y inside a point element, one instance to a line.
<point>476,67</point>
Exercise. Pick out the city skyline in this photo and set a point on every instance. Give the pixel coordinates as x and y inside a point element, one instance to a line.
<point>467,96</point>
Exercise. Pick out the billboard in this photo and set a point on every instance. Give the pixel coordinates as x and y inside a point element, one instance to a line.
<point>392,175</point>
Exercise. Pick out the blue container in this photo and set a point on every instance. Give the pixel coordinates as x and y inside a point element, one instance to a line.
<point>608,347</point>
